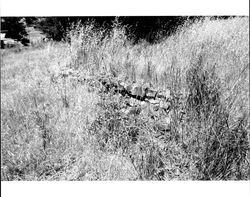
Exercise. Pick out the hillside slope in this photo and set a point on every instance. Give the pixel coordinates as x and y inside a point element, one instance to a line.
<point>58,122</point>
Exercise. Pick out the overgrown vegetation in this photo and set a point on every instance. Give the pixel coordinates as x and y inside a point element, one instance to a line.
<point>59,123</point>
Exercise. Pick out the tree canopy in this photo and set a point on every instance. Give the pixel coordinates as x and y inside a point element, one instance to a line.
<point>15,28</point>
<point>140,27</point>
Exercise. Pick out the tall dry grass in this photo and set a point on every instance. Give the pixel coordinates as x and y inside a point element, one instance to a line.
<point>55,127</point>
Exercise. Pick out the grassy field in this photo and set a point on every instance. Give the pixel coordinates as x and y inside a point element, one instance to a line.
<point>57,124</point>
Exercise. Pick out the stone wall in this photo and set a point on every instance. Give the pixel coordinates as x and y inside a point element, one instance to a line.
<point>140,98</point>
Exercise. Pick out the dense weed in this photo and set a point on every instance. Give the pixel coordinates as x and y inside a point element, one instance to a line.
<point>219,147</point>
<point>57,122</point>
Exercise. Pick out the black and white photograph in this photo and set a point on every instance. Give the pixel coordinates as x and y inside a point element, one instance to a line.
<point>125,97</point>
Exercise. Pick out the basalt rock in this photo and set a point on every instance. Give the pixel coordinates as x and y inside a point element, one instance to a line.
<point>140,97</point>
<point>133,90</point>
